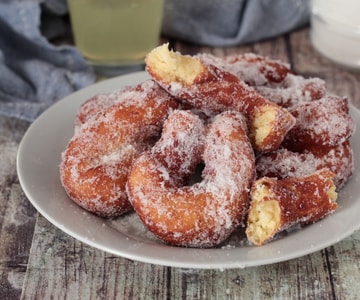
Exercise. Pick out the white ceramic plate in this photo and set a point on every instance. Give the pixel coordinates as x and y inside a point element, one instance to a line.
<point>37,166</point>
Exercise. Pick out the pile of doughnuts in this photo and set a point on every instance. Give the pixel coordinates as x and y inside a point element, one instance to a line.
<point>209,144</point>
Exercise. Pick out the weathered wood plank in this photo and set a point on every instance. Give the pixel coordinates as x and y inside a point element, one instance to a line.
<point>344,267</point>
<point>304,278</point>
<point>17,219</point>
<point>63,268</point>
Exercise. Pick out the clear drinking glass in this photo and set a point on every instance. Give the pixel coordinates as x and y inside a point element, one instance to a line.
<point>115,35</point>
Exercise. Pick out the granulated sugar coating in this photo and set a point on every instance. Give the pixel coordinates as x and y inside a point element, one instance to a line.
<point>95,164</point>
<point>275,204</point>
<point>213,90</point>
<point>284,163</point>
<point>320,124</point>
<point>211,116</point>
<point>206,213</point>
<point>253,69</point>
<point>272,79</point>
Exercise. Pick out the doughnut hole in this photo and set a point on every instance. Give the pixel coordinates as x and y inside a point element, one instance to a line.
<point>264,215</point>
<point>195,177</point>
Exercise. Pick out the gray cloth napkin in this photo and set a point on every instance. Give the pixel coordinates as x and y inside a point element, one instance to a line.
<point>232,22</point>
<point>34,73</point>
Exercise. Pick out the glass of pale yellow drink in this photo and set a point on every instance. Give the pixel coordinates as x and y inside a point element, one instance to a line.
<point>115,35</point>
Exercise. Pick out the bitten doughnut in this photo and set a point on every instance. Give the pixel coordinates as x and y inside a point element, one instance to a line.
<point>277,205</point>
<point>284,163</point>
<point>204,213</point>
<point>213,90</point>
<point>270,78</point>
<point>95,164</point>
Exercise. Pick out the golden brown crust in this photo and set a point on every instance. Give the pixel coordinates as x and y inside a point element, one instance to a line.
<point>279,204</point>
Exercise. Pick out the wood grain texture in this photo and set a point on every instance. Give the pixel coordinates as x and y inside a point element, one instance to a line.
<point>63,268</point>
<point>17,215</point>
<point>58,266</point>
<point>306,61</point>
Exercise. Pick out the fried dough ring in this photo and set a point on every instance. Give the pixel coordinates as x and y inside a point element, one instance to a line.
<point>97,104</point>
<point>255,70</point>
<point>284,163</point>
<point>203,214</point>
<point>277,205</point>
<point>294,90</point>
<point>213,90</point>
<point>272,79</point>
<point>96,162</point>
<point>320,125</point>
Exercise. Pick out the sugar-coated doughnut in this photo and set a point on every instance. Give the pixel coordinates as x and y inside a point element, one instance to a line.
<point>270,78</point>
<point>95,164</point>
<point>277,205</point>
<point>97,104</point>
<point>320,124</point>
<point>284,163</point>
<point>255,70</point>
<point>205,213</point>
<point>213,90</point>
<point>294,90</point>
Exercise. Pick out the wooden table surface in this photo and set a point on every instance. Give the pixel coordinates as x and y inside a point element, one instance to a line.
<point>39,261</point>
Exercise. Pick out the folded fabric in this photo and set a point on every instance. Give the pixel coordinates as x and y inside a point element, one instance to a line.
<point>232,22</point>
<point>34,73</point>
